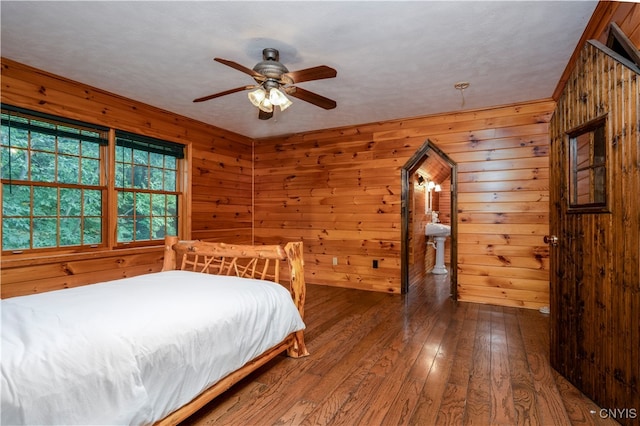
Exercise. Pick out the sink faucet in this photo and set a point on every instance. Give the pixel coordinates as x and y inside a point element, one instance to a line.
<point>434,217</point>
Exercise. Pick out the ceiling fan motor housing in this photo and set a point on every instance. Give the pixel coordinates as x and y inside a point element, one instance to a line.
<point>269,66</point>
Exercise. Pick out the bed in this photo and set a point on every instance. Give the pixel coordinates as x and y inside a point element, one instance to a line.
<point>155,348</point>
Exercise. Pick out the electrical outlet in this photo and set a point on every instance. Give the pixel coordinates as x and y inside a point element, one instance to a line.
<point>335,261</point>
<point>375,263</point>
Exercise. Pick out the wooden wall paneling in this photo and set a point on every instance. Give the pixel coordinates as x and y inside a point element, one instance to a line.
<point>319,192</point>
<point>29,275</point>
<point>219,187</point>
<point>307,181</point>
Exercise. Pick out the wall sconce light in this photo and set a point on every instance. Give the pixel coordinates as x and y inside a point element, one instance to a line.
<point>420,180</point>
<point>431,187</point>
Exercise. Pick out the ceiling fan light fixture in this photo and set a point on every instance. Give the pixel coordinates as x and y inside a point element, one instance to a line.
<point>266,105</point>
<point>286,104</point>
<point>278,98</point>
<point>257,96</point>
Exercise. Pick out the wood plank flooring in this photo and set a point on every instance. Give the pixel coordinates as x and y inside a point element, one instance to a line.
<point>415,359</point>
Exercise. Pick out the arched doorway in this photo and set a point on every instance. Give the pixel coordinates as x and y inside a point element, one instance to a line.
<point>431,157</point>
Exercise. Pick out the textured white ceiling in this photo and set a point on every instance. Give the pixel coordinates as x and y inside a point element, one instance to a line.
<point>394,59</point>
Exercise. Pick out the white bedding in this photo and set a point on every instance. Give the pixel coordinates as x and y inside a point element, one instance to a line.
<point>132,351</point>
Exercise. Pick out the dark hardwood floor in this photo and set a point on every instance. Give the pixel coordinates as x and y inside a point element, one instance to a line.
<point>416,359</point>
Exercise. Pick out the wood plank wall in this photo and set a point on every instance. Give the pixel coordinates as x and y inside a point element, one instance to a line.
<point>219,191</point>
<point>339,191</point>
<point>595,298</point>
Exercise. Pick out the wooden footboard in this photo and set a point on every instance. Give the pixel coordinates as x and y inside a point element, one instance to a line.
<point>261,262</point>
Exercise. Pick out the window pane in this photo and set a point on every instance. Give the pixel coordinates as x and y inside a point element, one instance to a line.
<point>125,229</point>
<point>69,146</point>
<point>15,163</point>
<point>124,154</point>
<point>156,160</point>
<point>587,160</point>
<point>70,231</point>
<point>90,150</point>
<point>125,203</point>
<point>45,232</point>
<point>141,177</point>
<point>92,202</point>
<point>172,205</point>
<point>140,157</point>
<point>170,162</point>
<point>159,226</point>
<point>169,180</point>
<point>143,203</point>
<point>16,234</point>
<point>157,181</point>
<point>68,169</point>
<point>19,137</point>
<point>70,202</point>
<point>90,171</point>
<point>16,200</point>
<point>45,201</point>
<point>43,167</point>
<point>92,230</point>
<point>582,187</point>
<point>599,185</point>
<point>43,142</point>
<point>172,226</point>
<point>158,202</point>
<point>124,173</point>
<point>143,228</point>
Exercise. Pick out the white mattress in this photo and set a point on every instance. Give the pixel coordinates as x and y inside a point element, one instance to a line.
<point>132,351</point>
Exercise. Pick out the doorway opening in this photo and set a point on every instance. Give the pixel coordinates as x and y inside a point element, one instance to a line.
<point>428,164</point>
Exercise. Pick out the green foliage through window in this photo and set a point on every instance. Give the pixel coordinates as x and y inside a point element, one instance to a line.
<point>51,190</point>
<point>146,181</point>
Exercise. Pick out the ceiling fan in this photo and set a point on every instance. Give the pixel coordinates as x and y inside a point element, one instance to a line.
<point>273,80</point>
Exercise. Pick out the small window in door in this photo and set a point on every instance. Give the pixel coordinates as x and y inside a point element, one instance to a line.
<point>587,167</point>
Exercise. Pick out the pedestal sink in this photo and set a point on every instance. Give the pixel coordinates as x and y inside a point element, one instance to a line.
<point>439,232</point>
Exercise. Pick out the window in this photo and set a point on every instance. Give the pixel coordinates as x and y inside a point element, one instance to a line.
<point>52,185</point>
<point>146,183</point>
<point>587,167</point>
<point>59,193</point>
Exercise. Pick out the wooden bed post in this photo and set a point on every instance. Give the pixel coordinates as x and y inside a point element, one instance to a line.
<point>298,293</point>
<point>169,262</point>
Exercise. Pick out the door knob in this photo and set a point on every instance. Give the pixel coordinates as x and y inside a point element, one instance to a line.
<point>551,239</point>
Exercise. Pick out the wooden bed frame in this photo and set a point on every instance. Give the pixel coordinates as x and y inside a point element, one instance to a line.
<point>261,262</point>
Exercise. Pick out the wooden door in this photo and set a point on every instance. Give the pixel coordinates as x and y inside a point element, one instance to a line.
<point>580,242</point>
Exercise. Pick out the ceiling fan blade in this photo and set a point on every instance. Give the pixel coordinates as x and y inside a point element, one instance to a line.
<point>241,68</point>
<point>226,92</point>
<point>264,115</point>
<point>311,97</point>
<point>309,74</point>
